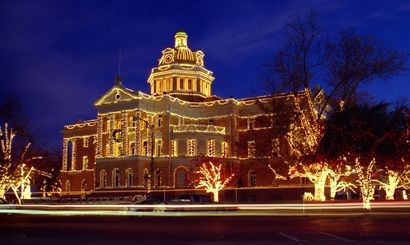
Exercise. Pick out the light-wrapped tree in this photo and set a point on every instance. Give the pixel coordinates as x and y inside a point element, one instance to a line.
<point>212,177</point>
<point>15,176</point>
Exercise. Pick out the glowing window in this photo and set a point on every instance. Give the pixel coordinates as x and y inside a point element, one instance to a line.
<point>116,178</point>
<point>130,175</point>
<point>133,148</point>
<point>103,178</point>
<point>191,147</point>
<point>158,148</point>
<point>174,148</point>
<point>211,148</point>
<point>85,162</point>
<point>224,149</point>
<point>145,148</point>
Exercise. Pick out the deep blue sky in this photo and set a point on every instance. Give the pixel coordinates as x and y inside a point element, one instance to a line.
<point>60,56</point>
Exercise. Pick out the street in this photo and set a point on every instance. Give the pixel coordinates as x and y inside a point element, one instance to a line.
<point>39,229</point>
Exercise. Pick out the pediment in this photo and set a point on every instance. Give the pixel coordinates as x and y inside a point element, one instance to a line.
<point>115,95</point>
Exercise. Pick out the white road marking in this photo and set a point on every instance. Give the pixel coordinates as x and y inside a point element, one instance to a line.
<point>337,237</point>
<point>290,237</point>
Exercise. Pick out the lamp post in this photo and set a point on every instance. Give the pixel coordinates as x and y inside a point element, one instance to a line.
<point>151,128</point>
<point>44,188</point>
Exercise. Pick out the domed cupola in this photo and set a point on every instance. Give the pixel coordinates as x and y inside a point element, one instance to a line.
<point>183,53</point>
<point>181,72</point>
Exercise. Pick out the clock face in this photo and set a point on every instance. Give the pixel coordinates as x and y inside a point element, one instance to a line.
<point>199,61</point>
<point>117,135</point>
<point>168,58</point>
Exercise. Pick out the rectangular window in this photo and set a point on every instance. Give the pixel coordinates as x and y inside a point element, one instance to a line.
<point>252,179</point>
<point>224,149</point>
<point>211,148</point>
<point>174,148</point>
<point>159,121</point>
<point>85,162</point>
<point>85,142</point>
<point>174,83</point>
<point>145,148</point>
<point>133,148</point>
<point>198,85</point>
<point>251,123</point>
<point>190,84</point>
<point>251,149</point>
<point>133,121</point>
<point>181,83</point>
<point>158,148</point>
<point>191,147</point>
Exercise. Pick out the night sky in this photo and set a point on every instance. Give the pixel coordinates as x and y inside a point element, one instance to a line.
<point>58,56</point>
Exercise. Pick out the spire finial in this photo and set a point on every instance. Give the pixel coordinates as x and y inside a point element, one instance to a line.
<point>181,39</point>
<point>118,78</point>
<point>119,62</point>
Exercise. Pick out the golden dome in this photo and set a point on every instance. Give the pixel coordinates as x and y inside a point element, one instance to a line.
<point>180,53</point>
<point>184,54</point>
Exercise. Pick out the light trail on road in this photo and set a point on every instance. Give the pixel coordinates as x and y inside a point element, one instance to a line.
<point>346,208</point>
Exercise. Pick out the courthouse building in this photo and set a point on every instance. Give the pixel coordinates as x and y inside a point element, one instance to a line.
<point>142,141</point>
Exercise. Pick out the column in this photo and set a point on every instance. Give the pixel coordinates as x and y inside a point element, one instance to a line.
<point>100,125</point>
<point>65,144</point>
<point>124,128</point>
<point>111,142</point>
<point>74,155</point>
<point>138,133</point>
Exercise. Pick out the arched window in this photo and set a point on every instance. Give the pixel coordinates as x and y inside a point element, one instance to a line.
<point>68,186</point>
<point>116,178</point>
<point>133,148</point>
<point>145,177</point>
<point>83,185</point>
<point>103,178</point>
<point>157,178</point>
<point>252,178</point>
<point>181,177</point>
<point>130,176</point>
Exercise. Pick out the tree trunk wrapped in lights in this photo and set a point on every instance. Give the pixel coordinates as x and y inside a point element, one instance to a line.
<point>375,140</point>
<point>316,173</point>
<point>366,181</point>
<point>6,141</point>
<point>395,180</point>
<point>212,178</point>
<point>17,178</point>
<point>336,174</point>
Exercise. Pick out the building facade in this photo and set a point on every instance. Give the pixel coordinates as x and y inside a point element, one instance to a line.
<point>140,142</point>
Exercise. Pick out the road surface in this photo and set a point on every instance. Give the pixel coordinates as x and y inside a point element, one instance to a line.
<point>41,229</point>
